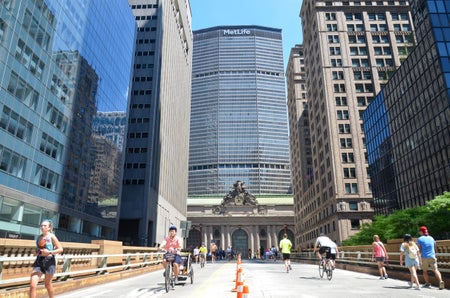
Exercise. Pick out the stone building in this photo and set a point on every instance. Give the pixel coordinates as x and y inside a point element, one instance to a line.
<point>240,220</point>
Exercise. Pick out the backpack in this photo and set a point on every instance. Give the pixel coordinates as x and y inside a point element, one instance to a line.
<point>412,251</point>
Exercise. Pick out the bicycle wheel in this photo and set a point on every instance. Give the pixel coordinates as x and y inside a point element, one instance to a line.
<point>329,270</point>
<point>191,275</point>
<point>202,262</point>
<point>168,276</point>
<point>321,268</point>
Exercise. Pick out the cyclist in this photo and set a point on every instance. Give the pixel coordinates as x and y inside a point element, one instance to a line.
<point>323,245</point>
<point>173,244</point>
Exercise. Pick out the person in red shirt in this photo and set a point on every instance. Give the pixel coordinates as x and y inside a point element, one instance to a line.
<point>173,244</point>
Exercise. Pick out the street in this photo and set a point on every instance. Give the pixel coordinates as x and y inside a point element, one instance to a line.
<point>264,279</point>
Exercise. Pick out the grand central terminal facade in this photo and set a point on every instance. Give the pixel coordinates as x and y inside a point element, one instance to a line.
<point>240,220</point>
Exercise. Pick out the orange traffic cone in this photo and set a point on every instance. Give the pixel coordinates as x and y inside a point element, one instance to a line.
<point>238,280</point>
<point>240,285</point>
<point>245,292</point>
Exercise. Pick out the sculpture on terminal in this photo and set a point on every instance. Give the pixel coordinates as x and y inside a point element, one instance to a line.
<point>239,196</point>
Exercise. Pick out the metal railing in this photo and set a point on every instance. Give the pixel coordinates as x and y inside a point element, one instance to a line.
<point>99,267</point>
<point>102,264</point>
<point>364,258</point>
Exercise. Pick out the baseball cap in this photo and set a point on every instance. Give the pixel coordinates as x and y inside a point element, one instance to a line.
<point>424,230</point>
<point>173,228</point>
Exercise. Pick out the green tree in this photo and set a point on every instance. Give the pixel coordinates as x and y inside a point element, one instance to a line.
<point>435,215</point>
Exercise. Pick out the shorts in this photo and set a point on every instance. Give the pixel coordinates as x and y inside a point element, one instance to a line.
<point>286,256</point>
<point>380,259</point>
<point>177,258</point>
<point>333,256</point>
<point>429,264</point>
<point>46,265</point>
<point>325,249</point>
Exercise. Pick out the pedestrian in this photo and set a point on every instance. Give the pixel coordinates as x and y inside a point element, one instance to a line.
<point>428,247</point>
<point>334,253</point>
<point>47,246</point>
<point>380,255</point>
<point>285,246</point>
<point>410,251</point>
<point>249,253</point>
<point>196,252</point>
<point>213,250</point>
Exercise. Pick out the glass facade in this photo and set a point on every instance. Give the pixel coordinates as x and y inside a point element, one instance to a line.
<point>61,62</point>
<point>412,144</point>
<point>239,125</point>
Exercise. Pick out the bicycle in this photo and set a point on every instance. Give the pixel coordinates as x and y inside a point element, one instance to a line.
<point>169,279</point>
<point>326,266</point>
<point>202,260</point>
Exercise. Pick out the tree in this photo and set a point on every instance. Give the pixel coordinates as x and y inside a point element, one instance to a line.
<point>435,215</point>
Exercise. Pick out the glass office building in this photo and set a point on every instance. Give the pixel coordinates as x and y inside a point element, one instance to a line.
<point>239,125</point>
<point>61,62</point>
<point>407,126</point>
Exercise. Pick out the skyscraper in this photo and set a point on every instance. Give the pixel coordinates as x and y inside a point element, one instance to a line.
<point>157,142</point>
<point>408,124</point>
<point>238,112</point>
<point>300,142</point>
<point>351,48</point>
<point>60,63</point>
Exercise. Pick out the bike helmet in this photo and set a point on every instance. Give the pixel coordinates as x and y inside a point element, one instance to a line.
<point>173,228</point>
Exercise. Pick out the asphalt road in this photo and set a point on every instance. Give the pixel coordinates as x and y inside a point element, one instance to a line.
<point>264,279</point>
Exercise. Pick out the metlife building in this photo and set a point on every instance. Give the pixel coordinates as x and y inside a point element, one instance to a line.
<point>239,125</point>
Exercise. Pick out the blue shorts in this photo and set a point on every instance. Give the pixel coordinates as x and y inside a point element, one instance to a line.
<point>177,258</point>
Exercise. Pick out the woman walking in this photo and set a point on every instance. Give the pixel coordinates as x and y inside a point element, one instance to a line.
<point>410,251</point>
<point>47,247</point>
<point>380,255</point>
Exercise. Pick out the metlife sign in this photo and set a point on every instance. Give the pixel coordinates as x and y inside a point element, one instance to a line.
<point>236,32</point>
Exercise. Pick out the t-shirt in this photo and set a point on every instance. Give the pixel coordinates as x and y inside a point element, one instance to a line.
<point>203,250</point>
<point>324,241</point>
<point>333,247</point>
<point>172,244</point>
<point>285,245</point>
<point>379,251</point>
<point>427,246</point>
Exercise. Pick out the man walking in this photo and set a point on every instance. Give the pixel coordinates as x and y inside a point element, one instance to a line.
<point>285,246</point>
<point>427,247</point>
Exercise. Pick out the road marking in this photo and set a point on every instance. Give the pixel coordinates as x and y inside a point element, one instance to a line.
<point>208,288</point>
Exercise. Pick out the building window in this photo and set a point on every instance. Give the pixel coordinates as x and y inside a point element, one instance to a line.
<point>12,163</point>
<point>355,224</point>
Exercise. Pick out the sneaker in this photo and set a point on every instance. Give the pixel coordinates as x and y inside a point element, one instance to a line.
<point>290,268</point>
<point>175,281</point>
<point>441,285</point>
<point>386,276</point>
<point>426,285</point>
<point>287,270</point>
<point>418,287</point>
<point>382,278</point>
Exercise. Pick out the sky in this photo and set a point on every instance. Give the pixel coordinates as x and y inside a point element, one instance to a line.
<point>280,14</point>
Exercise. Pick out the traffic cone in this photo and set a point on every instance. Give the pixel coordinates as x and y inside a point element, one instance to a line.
<point>240,285</point>
<point>245,292</point>
<point>238,280</point>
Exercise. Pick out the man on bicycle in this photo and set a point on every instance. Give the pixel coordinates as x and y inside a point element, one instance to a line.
<point>203,252</point>
<point>172,244</point>
<point>323,245</point>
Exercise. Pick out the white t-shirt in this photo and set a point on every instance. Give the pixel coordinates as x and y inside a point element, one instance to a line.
<point>324,241</point>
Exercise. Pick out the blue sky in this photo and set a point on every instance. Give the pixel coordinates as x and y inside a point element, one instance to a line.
<point>281,14</point>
